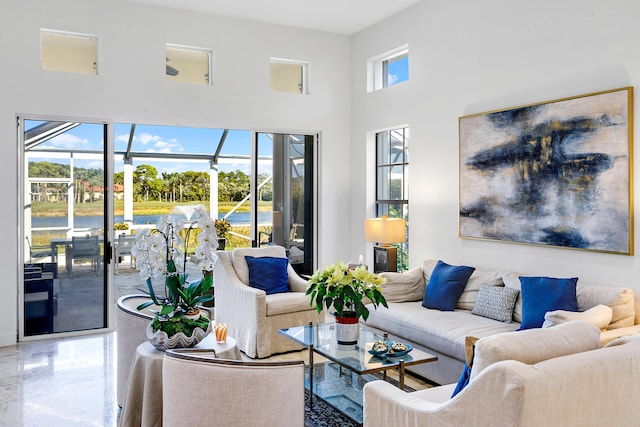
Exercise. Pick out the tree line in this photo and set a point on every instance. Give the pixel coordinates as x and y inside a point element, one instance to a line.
<point>149,185</point>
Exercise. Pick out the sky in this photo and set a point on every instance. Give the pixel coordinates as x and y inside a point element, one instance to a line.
<point>157,139</point>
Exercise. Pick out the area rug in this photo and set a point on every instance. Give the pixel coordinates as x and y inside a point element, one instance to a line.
<point>348,388</point>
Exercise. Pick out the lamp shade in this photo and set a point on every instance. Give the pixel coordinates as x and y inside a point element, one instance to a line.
<point>385,230</point>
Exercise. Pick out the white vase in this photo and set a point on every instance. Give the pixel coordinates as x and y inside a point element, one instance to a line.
<point>347,330</point>
<point>162,341</point>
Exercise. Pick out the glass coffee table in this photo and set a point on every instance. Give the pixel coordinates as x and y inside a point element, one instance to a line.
<point>353,365</point>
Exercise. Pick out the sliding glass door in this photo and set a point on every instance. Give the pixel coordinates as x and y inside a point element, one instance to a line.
<point>64,287</point>
<point>284,188</point>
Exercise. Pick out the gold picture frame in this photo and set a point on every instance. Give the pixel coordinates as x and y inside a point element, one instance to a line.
<point>557,173</point>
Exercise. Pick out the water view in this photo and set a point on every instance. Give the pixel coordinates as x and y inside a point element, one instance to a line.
<point>97,221</point>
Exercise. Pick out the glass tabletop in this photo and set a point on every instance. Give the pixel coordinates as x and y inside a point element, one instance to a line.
<point>354,357</point>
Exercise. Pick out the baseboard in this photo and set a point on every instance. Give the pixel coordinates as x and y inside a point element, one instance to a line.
<point>8,339</point>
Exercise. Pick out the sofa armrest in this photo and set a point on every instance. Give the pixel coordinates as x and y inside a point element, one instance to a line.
<point>386,405</point>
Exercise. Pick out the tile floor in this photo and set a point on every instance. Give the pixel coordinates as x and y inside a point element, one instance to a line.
<point>59,382</point>
<point>72,381</point>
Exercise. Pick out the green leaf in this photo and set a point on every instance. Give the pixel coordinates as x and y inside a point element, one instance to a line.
<point>144,305</point>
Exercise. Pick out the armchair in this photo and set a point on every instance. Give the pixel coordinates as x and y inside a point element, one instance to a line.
<point>203,390</point>
<point>575,390</point>
<point>253,316</point>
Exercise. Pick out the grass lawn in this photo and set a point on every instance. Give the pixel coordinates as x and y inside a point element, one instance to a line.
<point>44,209</point>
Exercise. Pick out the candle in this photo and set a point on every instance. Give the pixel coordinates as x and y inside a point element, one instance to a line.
<point>360,260</point>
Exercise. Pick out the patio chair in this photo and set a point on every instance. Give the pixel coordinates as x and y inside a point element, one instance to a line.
<point>237,393</point>
<point>83,248</point>
<point>123,247</point>
<point>38,251</point>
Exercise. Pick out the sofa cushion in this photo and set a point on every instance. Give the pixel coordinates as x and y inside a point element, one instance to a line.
<point>268,274</point>
<point>621,301</point>
<point>401,287</point>
<point>535,345</point>
<point>445,286</point>
<point>542,294</point>
<point>442,331</point>
<point>600,316</point>
<point>496,302</point>
<point>240,264</point>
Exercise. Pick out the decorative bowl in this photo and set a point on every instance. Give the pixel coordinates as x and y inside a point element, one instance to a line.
<point>161,341</point>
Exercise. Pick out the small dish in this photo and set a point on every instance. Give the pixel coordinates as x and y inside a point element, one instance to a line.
<point>392,353</point>
<point>380,352</point>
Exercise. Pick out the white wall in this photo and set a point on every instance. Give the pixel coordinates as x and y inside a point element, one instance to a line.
<point>474,56</point>
<point>131,88</point>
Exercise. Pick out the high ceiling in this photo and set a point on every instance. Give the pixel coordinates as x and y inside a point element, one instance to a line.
<point>335,16</point>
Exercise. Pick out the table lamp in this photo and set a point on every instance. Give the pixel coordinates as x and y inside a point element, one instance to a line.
<point>385,231</point>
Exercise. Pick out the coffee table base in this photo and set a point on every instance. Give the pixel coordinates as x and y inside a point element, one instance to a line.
<point>340,388</point>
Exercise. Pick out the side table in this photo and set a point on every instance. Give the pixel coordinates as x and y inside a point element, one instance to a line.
<point>143,397</point>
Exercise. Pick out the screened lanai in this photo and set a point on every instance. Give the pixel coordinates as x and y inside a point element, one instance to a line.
<point>76,186</point>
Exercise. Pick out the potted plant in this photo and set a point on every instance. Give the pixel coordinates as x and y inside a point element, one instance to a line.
<point>347,290</point>
<point>162,254</point>
<point>222,229</point>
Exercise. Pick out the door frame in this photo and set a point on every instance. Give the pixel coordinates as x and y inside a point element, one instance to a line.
<point>107,265</point>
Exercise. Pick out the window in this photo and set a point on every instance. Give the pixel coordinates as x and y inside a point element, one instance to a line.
<point>188,64</point>
<point>392,168</point>
<point>288,76</point>
<point>388,69</point>
<point>74,53</point>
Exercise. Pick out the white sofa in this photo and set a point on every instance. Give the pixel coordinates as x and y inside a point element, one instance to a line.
<point>253,316</point>
<point>580,388</point>
<point>443,333</point>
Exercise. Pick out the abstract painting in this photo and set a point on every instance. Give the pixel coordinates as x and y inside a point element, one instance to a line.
<point>557,173</point>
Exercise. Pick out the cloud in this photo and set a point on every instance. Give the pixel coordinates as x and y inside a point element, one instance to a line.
<point>153,143</point>
<point>392,78</point>
<point>68,140</point>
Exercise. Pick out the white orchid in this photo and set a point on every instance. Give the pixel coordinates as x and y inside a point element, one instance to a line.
<point>161,254</point>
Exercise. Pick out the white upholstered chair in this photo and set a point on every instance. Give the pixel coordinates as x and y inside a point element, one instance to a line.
<point>205,391</point>
<point>253,316</point>
<point>131,326</point>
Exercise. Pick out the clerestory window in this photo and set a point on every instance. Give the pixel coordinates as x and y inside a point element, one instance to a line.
<point>388,69</point>
<point>288,76</point>
<point>188,64</point>
<point>68,52</point>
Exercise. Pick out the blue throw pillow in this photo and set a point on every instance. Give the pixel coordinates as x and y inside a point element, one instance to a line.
<point>463,381</point>
<point>445,286</point>
<point>268,273</point>
<point>542,294</point>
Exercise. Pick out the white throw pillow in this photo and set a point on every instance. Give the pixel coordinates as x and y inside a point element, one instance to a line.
<point>401,287</point>
<point>479,277</point>
<point>621,301</point>
<point>600,315</point>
